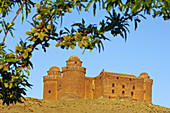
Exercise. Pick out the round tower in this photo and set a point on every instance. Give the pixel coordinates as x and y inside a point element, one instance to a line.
<point>73,84</point>
<point>50,83</point>
<point>147,87</point>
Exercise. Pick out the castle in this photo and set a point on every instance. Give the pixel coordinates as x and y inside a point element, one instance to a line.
<point>71,83</point>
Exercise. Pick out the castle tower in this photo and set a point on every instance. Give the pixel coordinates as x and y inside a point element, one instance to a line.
<point>73,82</point>
<point>50,83</point>
<point>147,87</point>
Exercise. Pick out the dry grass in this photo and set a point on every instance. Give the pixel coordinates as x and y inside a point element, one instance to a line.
<point>82,106</point>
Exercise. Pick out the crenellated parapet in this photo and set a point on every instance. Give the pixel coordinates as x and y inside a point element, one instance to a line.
<point>50,78</point>
<point>73,68</point>
<point>54,73</point>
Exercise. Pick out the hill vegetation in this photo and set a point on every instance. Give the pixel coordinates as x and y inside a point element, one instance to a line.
<point>82,106</point>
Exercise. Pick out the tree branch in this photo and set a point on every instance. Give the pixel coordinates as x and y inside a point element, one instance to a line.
<point>14,19</point>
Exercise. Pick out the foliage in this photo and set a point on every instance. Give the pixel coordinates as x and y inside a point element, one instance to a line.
<point>15,65</point>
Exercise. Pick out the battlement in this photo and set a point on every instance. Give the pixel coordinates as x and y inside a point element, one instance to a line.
<point>74,68</point>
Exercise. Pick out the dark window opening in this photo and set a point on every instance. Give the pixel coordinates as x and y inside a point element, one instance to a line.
<point>92,89</point>
<point>75,62</point>
<point>123,92</point>
<point>49,91</point>
<point>133,87</point>
<point>113,91</point>
<point>117,77</point>
<point>123,86</point>
<point>67,67</point>
<point>144,91</point>
<point>130,79</point>
<point>113,85</point>
<point>131,93</point>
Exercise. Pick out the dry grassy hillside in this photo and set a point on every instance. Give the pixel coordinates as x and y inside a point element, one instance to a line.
<point>82,106</point>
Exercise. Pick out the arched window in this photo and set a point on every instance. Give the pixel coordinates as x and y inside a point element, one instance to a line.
<point>133,87</point>
<point>131,93</point>
<point>113,91</point>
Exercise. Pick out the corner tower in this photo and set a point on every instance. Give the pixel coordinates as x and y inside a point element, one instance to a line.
<point>73,82</point>
<point>50,83</point>
<point>147,87</point>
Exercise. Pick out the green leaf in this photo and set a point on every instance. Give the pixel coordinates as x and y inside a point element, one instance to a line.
<point>109,8</point>
<point>17,47</point>
<point>49,26</point>
<point>6,85</point>
<point>5,68</point>
<point>88,5</point>
<point>10,85</point>
<point>42,35</point>
<point>27,32</point>
<point>94,9</point>
<point>27,72</point>
<point>28,49</point>
<point>12,60</point>
<point>18,68</point>
<point>25,54</point>
<point>1,66</point>
<point>58,44</point>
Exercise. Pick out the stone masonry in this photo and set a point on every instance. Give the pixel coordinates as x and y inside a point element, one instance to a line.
<point>71,83</point>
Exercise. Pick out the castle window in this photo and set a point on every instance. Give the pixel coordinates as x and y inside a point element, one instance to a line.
<point>75,62</point>
<point>113,91</point>
<point>123,86</point>
<point>67,67</point>
<point>123,92</point>
<point>113,85</point>
<point>131,93</point>
<point>133,87</point>
<point>144,91</point>
<point>130,79</point>
<point>49,91</point>
<point>117,77</point>
<point>100,77</point>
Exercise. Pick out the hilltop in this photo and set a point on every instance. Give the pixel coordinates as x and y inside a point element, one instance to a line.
<point>82,106</point>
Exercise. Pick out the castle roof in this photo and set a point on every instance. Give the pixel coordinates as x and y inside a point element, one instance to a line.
<point>120,75</point>
<point>144,75</point>
<point>54,68</point>
<point>74,58</point>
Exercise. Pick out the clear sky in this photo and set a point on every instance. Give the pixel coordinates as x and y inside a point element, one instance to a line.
<point>146,50</point>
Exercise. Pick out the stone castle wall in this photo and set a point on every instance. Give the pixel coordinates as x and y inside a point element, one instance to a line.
<point>89,88</point>
<point>74,85</point>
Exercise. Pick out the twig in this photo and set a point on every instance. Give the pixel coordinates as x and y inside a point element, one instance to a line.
<point>14,19</point>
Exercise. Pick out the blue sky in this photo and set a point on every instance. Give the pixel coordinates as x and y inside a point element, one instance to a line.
<point>146,50</point>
